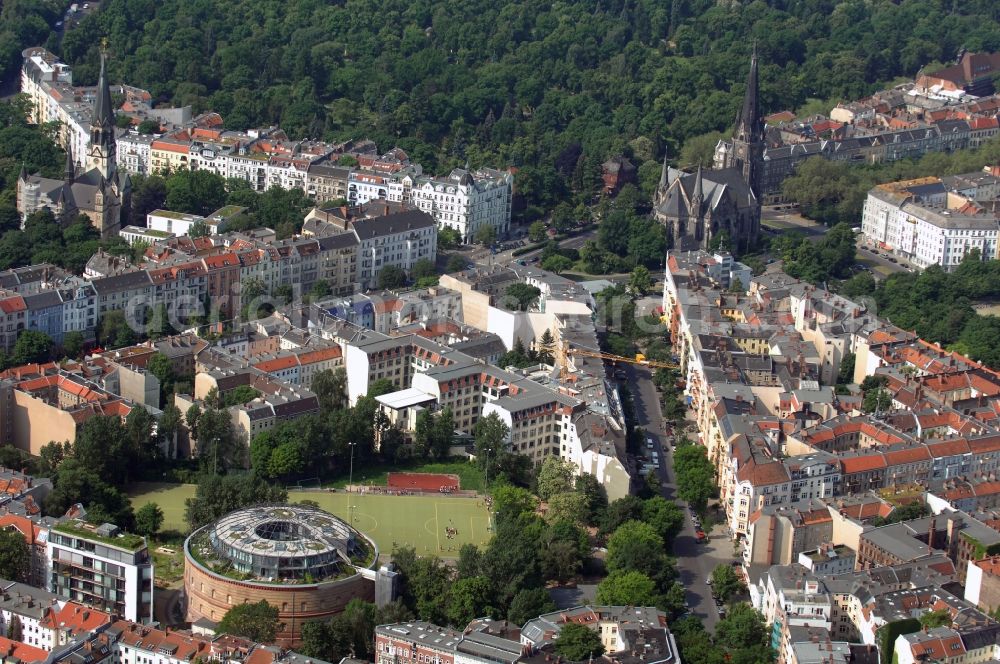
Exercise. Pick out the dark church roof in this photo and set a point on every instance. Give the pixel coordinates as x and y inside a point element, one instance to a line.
<point>717,185</point>
<point>79,191</point>
<point>749,127</point>
<point>104,112</point>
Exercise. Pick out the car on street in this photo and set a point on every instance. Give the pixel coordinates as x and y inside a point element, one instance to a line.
<point>700,536</point>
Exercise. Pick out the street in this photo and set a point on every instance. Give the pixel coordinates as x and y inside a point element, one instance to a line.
<point>880,264</point>
<point>695,562</point>
<point>482,256</point>
<point>778,221</point>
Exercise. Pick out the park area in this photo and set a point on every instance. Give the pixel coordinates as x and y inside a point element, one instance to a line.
<point>421,521</point>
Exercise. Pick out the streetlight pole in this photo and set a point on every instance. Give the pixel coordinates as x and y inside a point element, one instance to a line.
<point>350,488</point>
<point>489,512</point>
<point>488,450</point>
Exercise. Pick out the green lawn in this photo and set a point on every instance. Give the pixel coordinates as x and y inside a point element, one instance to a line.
<point>170,498</point>
<point>418,521</point>
<point>470,475</point>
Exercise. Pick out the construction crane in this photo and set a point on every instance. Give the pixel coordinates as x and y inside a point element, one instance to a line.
<point>639,358</point>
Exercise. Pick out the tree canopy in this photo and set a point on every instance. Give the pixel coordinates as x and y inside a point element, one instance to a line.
<point>257,622</point>
<point>217,495</point>
<point>578,642</point>
<point>15,559</point>
<point>552,89</point>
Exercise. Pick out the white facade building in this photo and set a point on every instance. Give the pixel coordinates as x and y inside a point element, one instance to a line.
<point>133,234</point>
<point>48,83</point>
<point>174,223</point>
<point>399,239</point>
<point>921,229</point>
<point>467,201</point>
<point>365,186</point>
<point>134,152</point>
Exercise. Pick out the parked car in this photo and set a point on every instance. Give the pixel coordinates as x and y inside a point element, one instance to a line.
<point>700,536</point>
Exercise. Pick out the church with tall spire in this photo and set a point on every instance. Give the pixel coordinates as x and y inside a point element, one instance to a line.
<point>100,191</point>
<point>719,206</point>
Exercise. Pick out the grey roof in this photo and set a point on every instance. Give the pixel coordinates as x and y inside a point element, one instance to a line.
<point>717,184</point>
<point>950,219</point>
<point>328,170</point>
<point>25,600</point>
<point>400,222</point>
<point>44,300</point>
<point>122,282</point>
<point>339,241</point>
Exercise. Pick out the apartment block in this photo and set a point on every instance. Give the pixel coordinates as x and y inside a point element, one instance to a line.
<point>100,567</point>
<point>933,221</point>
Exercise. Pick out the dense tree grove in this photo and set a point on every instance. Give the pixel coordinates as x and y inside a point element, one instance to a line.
<point>695,475</point>
<point>552,89</point>
<point>740,637</point>
<point>938,306</point>
<point>502,580</point>
<point>25,23</point>
<point>832,256</point>
<point>835,191</point>
<point>15,559</point>
<point>106,455</point>
<point>257,622</point>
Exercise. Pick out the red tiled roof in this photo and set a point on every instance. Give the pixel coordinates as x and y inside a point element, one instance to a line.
<point>28,528</point>
<point>939,649</point>
<point>985,444</point>
<point>763,474</point>
<point>861,464</point>
<point>948,448</point>
<point>277,364</point>
<point>219,261</point>
<point>911,455</point>
<point>75,618</point>
<point>21,651</point>
<point>12,305</point>
<point>320,355</point>
<point>186,648</point>
<point>867,510</point>
<point>983,123</point>
<point>170,147</point>
<point>813,517</point>
<point>386,305</point>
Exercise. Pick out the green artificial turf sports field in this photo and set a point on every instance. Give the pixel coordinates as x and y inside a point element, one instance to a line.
<point>418,521</point>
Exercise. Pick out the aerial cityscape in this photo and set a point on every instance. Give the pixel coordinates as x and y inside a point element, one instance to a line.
<point>623,331</point>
